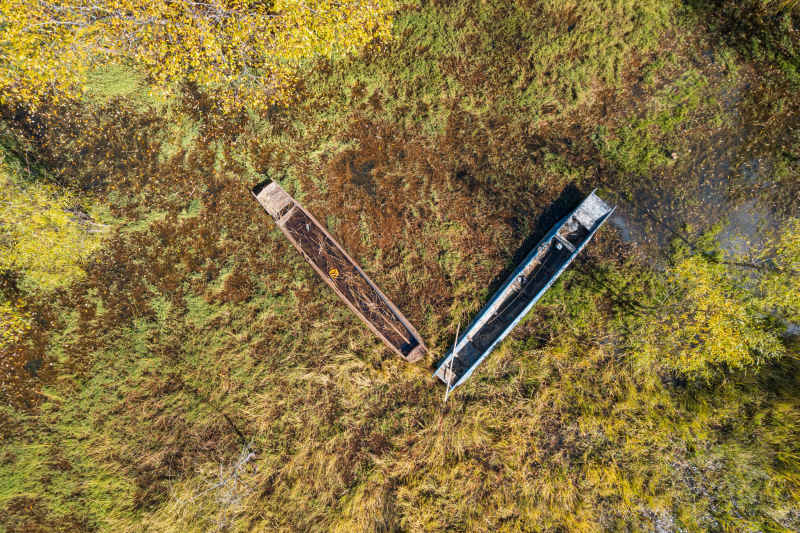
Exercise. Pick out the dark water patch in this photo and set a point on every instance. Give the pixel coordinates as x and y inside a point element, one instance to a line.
<point>723,174</point>
<point>626,230</point>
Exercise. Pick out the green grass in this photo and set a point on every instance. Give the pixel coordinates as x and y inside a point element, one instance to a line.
<point>645,144</point>
<point>113,81</point>
<point>493,58</point>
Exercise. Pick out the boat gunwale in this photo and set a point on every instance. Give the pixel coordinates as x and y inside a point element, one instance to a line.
<point>402,319</point>
<point>502,293</point>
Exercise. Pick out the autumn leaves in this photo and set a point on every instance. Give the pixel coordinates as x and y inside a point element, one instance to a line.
<point>243,52</point>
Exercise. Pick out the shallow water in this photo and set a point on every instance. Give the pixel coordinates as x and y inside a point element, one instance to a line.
<point>744,229</point>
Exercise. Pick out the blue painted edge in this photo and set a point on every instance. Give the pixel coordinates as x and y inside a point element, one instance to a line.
<point>550,235</point>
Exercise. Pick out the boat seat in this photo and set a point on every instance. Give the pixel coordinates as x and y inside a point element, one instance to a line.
<point>565,242</point>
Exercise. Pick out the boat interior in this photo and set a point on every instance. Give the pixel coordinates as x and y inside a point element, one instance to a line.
<point>543,264</point>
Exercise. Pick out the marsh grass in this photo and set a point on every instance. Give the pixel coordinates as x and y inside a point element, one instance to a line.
<point>442,157</point>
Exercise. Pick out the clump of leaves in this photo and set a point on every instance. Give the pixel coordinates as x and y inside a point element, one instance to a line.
<point>242,51</point>
<point>43,235</point>
<point>780,283</point>
<point>721,311</point>
<point>708,323</point>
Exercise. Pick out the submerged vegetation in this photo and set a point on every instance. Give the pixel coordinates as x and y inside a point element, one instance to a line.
<point>170,363</point>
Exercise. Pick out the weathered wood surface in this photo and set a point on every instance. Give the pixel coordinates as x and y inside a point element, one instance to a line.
<point>341,272</point>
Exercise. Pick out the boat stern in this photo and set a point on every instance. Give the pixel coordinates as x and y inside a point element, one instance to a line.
<point>416,354</point>
<point>592,211</point>
<point>273,199</point>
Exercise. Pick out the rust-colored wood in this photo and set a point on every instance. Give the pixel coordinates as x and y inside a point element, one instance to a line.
<point>341,272</point>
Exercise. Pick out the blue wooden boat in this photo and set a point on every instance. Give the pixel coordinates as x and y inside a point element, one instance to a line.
<point>522,289</point>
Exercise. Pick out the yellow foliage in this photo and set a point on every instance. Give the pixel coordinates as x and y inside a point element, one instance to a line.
<point>39,238</point>
<point>238,50</point>
<point>780,286</point>
<point>14,322</point>
<point>713,321</point>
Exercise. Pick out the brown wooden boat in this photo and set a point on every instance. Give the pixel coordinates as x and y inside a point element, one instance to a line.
<point>341,272</point>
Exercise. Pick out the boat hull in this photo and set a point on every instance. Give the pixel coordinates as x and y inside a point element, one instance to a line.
<point>341,272</point>
<point>522,289</point>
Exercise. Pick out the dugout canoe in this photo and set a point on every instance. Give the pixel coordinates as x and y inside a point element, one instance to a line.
<point>340,272</point>
<point>522,289</point>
